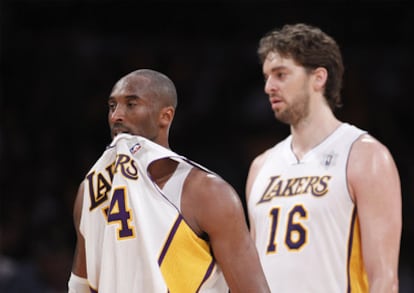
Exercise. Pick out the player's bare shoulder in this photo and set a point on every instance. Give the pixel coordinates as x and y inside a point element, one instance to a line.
<point>255,166</point>
<point>206,199</point>
<point>369,160</point>
<point>367,151</point>
<point>208,185</point>
<point>258,162</point>
<point>366,144</point>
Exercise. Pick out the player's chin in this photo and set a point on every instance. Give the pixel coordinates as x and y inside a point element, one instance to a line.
<point>115,133</point>
<point>118,130</point>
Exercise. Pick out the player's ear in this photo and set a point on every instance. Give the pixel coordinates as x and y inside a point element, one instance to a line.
<point>320,75</point>
<point>166,116</point>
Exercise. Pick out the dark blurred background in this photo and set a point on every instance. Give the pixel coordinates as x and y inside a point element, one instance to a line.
<point>59,60</point>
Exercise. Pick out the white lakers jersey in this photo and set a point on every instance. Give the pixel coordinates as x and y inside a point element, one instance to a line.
<point>308,238</point>
<point>136,238</point>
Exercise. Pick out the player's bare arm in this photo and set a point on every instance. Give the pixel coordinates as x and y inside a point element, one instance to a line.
<point>375,187</point>
<point>213,207</point>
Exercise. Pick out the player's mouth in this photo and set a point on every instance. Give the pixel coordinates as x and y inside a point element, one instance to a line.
<point>275,102</point>
<point>117,129</point>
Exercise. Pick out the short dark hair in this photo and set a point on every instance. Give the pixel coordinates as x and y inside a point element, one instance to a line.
<point>161,84</point>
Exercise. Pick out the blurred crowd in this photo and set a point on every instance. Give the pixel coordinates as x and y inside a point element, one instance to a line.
<point>58,65</point>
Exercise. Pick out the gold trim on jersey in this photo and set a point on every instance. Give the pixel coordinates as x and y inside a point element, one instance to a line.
<point>185,260</point>
<point>357,276</point>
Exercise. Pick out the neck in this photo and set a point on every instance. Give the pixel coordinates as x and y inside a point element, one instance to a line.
<point>162,139</point>
<point>312,130</point>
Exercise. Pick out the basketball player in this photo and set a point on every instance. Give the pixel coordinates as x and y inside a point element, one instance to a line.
<point>324,204</point>
<point>149,220</point>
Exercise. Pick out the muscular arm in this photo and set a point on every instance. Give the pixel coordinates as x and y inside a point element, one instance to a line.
<point>217,210</point>
<point>375,187</point>
<point>79,259</point>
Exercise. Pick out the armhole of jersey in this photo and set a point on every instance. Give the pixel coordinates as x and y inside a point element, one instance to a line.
<point>173,187</point>
<point>265,156</point>
<point>348,162</point>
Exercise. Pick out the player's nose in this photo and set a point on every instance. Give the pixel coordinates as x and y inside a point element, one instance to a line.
<point>118,113</point>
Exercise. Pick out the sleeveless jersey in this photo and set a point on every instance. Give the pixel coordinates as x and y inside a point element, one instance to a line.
<point>136,239</point>
<point>306,228</point>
